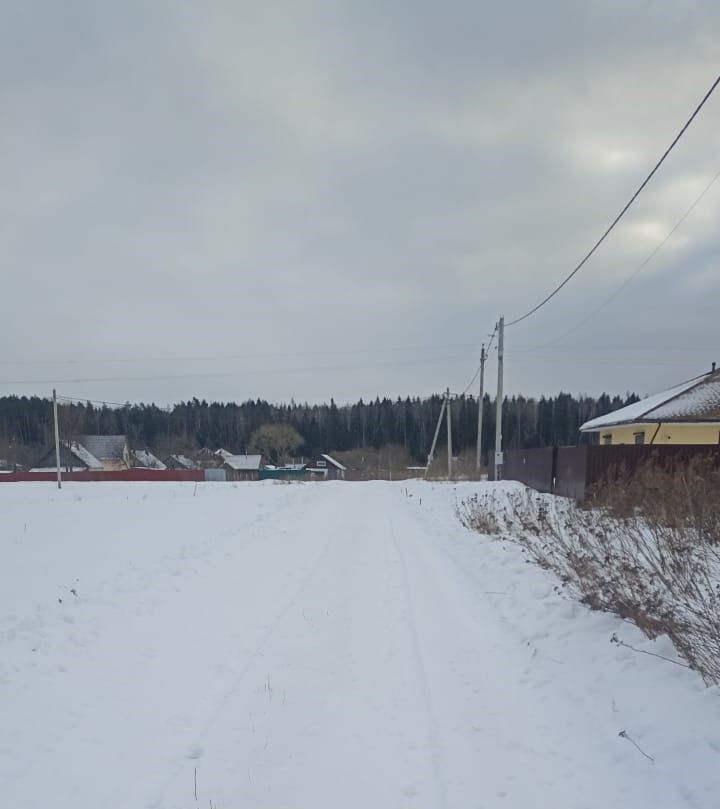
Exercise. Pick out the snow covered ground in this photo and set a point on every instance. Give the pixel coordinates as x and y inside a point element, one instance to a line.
<point>318,646</point>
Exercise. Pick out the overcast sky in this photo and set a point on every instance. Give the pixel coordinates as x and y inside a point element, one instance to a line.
<point>233,200</point>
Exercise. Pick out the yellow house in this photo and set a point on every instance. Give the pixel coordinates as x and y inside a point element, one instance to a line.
<point>686,414</point>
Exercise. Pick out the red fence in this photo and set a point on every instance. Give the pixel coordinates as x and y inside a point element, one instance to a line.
<point>122,474</point>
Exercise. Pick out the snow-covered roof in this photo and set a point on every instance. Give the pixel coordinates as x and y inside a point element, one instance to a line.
<point>243,462</point>
<point>82,453</point>
<point>105,447</point>
<point>223,453</point>
<point>696,400</point>
<point>146,459</point>
<point>332,460</point>
<point>183,461</point>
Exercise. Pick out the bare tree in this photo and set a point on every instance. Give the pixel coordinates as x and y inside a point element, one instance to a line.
<point>275,441</point>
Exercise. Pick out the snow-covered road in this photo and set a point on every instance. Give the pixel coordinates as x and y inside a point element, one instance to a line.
<point>318,646</point>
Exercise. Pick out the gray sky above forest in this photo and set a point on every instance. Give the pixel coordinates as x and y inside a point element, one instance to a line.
<point>302,200</point>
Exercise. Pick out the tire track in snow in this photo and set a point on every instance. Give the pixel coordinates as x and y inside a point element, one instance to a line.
<point>228,693</point>
<point>428,705</point>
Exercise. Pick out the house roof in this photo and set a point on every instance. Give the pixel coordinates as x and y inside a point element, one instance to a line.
<point>335,463</point>
<point>182,460</point>
<point>105,447</point>
<point>147,460</point>
<point>243,462</point>
<point>223,453</point>
<point>695,401</point>
<point>81,452</point>
<point>72,455</point>
<point>328,460</point>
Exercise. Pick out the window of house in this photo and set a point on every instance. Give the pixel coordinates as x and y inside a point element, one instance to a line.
<point>639,438</point>
<point>322,463</point>
<point>607,439</point>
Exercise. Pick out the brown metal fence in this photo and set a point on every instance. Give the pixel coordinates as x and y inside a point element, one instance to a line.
<point>573,471</point>
<point>534,467</point>
<point>571,464</point>
<point>625,459</point>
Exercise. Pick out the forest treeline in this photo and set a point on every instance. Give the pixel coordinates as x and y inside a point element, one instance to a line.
<point>26,423</point>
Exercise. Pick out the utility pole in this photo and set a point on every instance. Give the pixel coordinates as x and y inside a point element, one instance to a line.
<point>478,461</point>
<point>57,440</point>
<point>499,401</point>
<point>448,415</point>
<point>431,456</point>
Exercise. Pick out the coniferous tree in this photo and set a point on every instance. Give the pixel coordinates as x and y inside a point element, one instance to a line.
<point>410,422</point>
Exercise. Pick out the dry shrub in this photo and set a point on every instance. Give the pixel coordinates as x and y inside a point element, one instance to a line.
<point>480,514</point>
<point>684,496</point>
<point>648,550</point>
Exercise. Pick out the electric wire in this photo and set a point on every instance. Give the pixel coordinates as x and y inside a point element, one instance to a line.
<point>240,372</point>
<point>622,212</point>
<point>632,276</point>
<point>222,357</point>
<point>477,372</point>
<point>85,400</point>
<point>471,382</point>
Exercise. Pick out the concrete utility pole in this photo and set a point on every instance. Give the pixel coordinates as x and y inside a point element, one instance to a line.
<point>478,461</point>
<point>57,440</point>
<point>499,401</point>
<point>431,456</point>
<point>448,415</point>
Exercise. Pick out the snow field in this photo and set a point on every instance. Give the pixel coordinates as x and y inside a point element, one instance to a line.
<point>318,645</point>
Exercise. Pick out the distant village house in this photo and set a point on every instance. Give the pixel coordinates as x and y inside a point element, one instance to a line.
<point>325,467</point>
<point>179,462</point>
<point>99,453</point>
<point>242,467</point>
<point>144,459</point>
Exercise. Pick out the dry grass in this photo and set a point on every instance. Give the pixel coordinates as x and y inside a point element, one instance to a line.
<point>648,550</point>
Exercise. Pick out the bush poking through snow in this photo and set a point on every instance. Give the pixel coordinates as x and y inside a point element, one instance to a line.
<point>648,550</point>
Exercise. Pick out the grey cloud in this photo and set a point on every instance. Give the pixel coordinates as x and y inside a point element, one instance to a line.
<point>187,180</point>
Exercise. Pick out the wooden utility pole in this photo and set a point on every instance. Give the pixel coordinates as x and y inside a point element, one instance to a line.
<point>57,440</point>
<point>499,401</point>
<point>478,461</point>
<point>448,416</point>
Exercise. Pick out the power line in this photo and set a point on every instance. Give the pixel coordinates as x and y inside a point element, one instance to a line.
<point>622,212</point>
<point>218,374</point>
<point>634,274</point>
<point>582,362</point>
<point>219,357</point>
<point>585,350</point>
<point>472,381</point>
<point>86,400</point>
